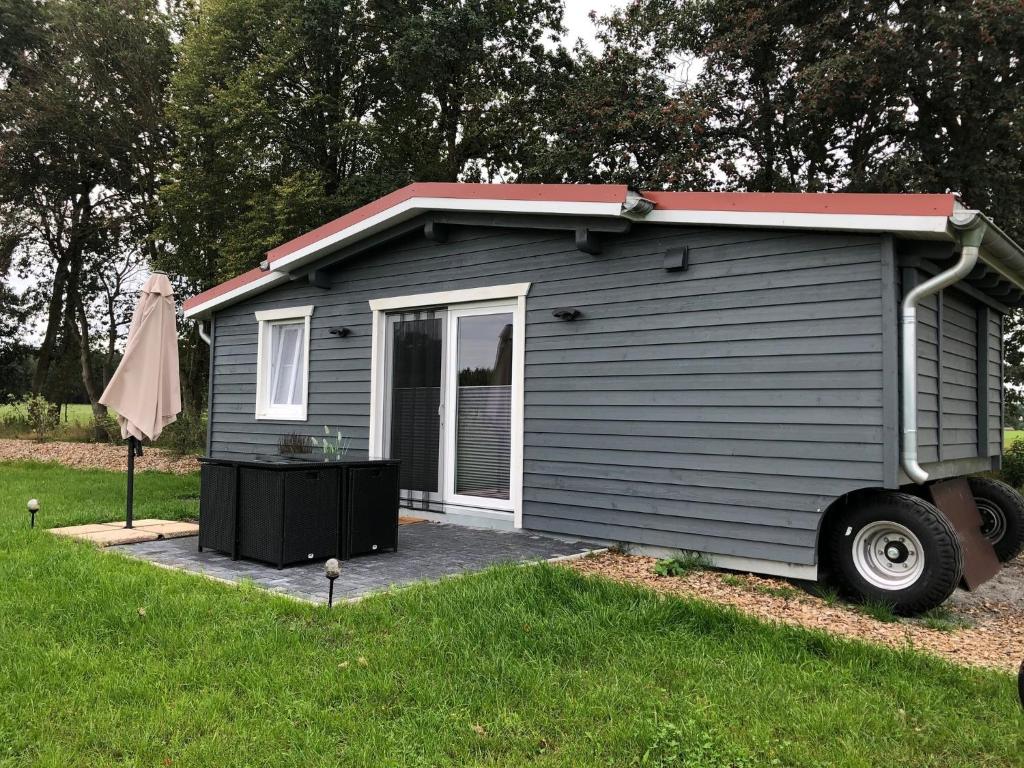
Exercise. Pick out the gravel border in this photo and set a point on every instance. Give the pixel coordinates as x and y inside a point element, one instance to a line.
<point>995,637</point>
<point>96,456</point>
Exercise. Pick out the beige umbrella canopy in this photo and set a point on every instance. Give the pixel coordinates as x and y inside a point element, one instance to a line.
<point>145,390</point>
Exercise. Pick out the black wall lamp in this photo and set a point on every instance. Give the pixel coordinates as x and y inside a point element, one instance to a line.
<point>567,313</point>
<point>341,333</point>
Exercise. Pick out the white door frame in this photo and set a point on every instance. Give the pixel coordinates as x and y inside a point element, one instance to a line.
<point>449,299</point>
<point>451,387</point>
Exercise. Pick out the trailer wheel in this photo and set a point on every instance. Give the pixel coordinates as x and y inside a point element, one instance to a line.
<point>1002,515</point>
<point>896,549</point>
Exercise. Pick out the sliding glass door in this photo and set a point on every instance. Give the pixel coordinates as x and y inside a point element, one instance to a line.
<point>479,444</point>
<point>449,405</point>
<point>414,407</point>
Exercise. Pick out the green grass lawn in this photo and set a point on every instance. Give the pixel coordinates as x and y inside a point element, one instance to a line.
<point>1011,436</point>
<point>77,413</point>
<point>110,661</point>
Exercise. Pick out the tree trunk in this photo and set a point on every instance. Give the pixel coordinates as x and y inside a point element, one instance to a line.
<point>99,411</point>
<point>54,320</point>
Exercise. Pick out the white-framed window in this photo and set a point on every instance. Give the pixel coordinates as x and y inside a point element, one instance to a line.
<point>282,363</point>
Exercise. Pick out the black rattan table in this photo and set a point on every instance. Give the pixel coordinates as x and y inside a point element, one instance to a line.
<point>284,511</point>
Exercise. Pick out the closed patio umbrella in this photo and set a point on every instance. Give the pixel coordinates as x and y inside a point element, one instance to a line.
<point>145,390</point>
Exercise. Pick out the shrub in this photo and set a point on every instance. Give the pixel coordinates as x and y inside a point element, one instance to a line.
<point>684,563</point>
<point>1013,464</point>
<point>106,429</point>
<point>35,414</point>
<point>186,435</point>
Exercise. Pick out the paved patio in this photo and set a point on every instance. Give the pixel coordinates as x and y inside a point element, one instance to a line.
<point>426,552</point>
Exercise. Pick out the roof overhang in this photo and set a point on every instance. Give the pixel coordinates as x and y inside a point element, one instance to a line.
<point>912,216</point>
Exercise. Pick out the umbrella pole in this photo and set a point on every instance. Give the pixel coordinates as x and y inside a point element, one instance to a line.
<point>131,482</point>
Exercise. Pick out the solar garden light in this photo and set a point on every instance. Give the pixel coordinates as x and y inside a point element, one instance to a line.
<point>332,570</point>
<point>33,507</point>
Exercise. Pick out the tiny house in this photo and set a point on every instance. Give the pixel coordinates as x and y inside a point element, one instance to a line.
<point>786,383</point>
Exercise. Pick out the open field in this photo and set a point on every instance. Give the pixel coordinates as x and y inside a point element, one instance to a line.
<point>108,660</point>
<point>1011,436</point>
<point>77,413</point>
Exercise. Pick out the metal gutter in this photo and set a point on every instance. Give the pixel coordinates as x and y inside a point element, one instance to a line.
<point>203,334</point>
<point>969,228</point>
<point>1001,253</point>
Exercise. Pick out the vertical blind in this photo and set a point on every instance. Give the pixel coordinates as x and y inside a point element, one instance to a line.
<point>484,406</point>
<point>416,399</point>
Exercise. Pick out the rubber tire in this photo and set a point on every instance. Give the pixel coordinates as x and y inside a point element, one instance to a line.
<point>943,555</point>
<point>1011,504</point>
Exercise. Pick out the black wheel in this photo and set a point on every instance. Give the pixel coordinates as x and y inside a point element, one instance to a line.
<point>1002,515</point>
<point>896,549</point>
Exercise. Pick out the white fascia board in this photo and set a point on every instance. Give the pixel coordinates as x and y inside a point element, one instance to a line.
<point>260,283</point>
<point>417,205</point>
<point>932,227</point>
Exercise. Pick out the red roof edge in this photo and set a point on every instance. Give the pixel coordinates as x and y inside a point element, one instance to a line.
<point>568,193</point>
<point>850,203</point>
<point>219,290</point>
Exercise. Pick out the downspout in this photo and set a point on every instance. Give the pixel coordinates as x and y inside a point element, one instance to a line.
<point>203,334</point>
<point>970,227</point>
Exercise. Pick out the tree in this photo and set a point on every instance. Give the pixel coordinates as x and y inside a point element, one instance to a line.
<point>291,112</point>
<point>614,117</point>
<point>877,95</point>
<point>81,101</point>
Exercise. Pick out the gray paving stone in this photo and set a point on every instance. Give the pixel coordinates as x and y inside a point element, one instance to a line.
<point>426,552</point>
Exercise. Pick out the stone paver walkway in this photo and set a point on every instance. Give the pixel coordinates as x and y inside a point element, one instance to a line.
<point>113,534</point>
<point>426,552</point>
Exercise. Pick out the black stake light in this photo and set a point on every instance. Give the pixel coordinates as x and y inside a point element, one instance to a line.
<point>332,570</point>
<point>33,507</point>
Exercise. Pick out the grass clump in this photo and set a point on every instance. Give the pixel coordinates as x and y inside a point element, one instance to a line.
<point>732,580</point>
<point>784,592</point>
<point>825,592</point>
<point>942,619</point>
<point>879,611</point>
<point>682,564</point>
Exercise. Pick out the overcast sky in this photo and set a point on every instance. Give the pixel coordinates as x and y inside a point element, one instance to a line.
<point>577,21</point>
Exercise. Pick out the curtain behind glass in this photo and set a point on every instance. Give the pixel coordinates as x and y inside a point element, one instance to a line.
<point>416,399</point>
<point>285,368</point>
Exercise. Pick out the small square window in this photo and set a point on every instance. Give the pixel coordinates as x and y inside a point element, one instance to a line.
<point>283,363</point>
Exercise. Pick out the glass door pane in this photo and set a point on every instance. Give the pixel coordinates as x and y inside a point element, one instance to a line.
<point>417,355</point>
<point>483,407</point>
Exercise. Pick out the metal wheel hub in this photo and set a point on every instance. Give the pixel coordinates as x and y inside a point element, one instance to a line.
<point>993,521</point>
<point>888,555</point>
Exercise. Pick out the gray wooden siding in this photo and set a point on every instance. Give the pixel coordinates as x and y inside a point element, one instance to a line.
<point>994,382</point>
<point>719,409</point>
<point>951,373</point>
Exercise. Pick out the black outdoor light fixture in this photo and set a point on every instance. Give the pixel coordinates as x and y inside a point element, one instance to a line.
<point>341,333</point>
<point>567,313</point>
<point>33,507</point>
<point>332,570</point>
